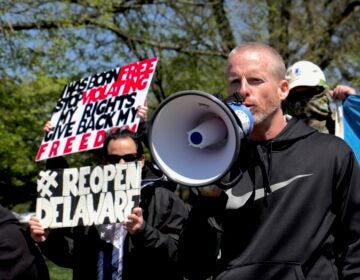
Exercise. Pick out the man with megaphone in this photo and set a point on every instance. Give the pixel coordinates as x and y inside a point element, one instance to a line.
<point>295,211</point>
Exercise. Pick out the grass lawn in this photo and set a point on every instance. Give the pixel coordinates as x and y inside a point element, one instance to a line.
<point>57,272</point>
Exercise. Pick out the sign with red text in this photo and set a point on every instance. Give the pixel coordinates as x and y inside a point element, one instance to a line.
<point>87,195</point>
<point>92,105</point>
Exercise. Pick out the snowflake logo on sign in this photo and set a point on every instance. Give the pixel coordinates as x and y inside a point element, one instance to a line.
<point>46,181</point>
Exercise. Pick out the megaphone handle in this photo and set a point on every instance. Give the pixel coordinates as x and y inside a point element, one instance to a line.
<point>229,185</point>
<point>238,97</point>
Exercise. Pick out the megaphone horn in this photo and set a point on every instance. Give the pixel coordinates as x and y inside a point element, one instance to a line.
<point>195,138</point>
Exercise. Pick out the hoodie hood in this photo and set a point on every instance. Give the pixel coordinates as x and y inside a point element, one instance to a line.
<point>6,217</point>
<point>151,175</point>
<point>294,130</point>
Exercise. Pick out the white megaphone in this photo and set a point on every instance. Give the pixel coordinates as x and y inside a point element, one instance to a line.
<point>195,138</point>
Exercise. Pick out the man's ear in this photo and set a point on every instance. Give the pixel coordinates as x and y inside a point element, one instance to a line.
<point>283,89</point>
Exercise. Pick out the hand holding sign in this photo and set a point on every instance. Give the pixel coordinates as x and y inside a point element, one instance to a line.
<point>135,221</point>
<point>37,232</point>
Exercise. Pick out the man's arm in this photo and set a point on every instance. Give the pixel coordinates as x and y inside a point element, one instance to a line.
<point>200,238</point>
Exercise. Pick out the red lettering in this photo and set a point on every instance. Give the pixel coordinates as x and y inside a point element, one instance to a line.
<point>41,151</point>
<point>54,148</point>
<point>132,128</point>
<point>136,75</point>
<point>115,88</point>
<point>149,64</point>
<point>133,77</point>
<point>146,68</point>
<point>94,94</point>
<point>126,74</point>
<point>86,97</point>
<point>68,145</point>
<point>84,141</point>
<point>99,138</point>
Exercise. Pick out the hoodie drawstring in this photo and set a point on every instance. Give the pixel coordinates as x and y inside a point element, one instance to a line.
<point>264,154</point>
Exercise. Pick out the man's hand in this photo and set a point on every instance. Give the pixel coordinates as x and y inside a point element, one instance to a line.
<point>36,230</point>
<point>210,191</point>
<point>142,111</point>
<point>340,92</point>
<point>135,221</point>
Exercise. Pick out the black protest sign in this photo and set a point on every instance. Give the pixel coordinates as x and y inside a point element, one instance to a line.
<point>87,195</point>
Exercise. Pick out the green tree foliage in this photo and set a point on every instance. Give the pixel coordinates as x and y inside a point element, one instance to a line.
<point>24,109</point>
<point>45,44</point>
<point>325,32</point>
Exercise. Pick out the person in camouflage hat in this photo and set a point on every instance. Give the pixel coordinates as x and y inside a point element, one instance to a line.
<point>310,98</point>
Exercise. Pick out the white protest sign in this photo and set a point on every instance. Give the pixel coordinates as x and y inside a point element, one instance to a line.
<point>88,195</point>
<point>92,105</point>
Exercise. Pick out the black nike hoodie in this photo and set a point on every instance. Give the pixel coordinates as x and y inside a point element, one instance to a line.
<point>295,213</point>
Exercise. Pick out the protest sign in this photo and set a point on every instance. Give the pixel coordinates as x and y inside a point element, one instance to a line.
<point>92,105</point>
<point>87,195</point>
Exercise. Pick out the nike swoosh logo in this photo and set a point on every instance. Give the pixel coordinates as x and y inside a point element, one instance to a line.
<point>235,202</point>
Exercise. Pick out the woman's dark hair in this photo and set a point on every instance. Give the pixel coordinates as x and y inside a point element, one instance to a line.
<point>121,133</point>
<point>56,163</point>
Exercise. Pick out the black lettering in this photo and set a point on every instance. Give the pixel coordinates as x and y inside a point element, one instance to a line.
<point>48,136</point>
<point>69,128</point>
<point>123,177</point>
<point>66,116</point>
<point>88,112</point>
<point>86,123</point>
<point>65,103</point>
<point>110,106</point>
<point>74,100</point>
<point>59,130</point>
<point>105,121</point>
<point>76,87</point>
<point>130,99</point>
<point>101,107</point>
<point>133,114</point>
<point>60,209</point>
<point>103,78</point>
<point>119,100</point>
<point>122,118</point>
<point>60,105</point>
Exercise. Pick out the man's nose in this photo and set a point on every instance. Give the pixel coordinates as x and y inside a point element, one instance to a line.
<point>243,89</point>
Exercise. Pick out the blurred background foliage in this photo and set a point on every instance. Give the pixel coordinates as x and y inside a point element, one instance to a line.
<point>46,44</point>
